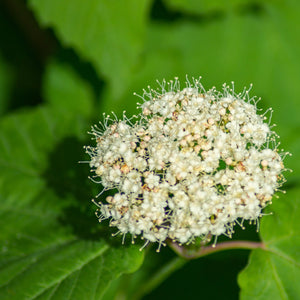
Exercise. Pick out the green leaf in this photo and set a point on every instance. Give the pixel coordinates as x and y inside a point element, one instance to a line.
<point>66,91</point>
<point>48,247</point>
<point>49,269</point>
<point>274,273</point>
<point>154,270</point>
<point>107,33</point>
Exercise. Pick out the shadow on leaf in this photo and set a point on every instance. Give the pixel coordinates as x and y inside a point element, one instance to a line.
<point>69,180</point>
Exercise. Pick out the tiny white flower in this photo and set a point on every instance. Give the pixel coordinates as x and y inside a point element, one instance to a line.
<point>152,180</point>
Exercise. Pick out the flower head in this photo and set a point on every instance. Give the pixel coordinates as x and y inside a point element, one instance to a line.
<point>192,164</point>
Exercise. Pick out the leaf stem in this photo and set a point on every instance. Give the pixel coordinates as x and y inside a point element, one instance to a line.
<point>207,250</point>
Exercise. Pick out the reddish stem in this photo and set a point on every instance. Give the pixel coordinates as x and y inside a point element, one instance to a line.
<point>192,254</point>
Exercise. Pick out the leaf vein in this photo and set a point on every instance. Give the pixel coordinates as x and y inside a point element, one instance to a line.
<point>28,142</point>
<point>54,291</point>
<point>104,249</point>
<point>75,282</point>
<point>278,281</point>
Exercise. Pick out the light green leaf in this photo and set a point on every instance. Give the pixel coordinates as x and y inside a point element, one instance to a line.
<point>107,33</point>
<point>65,91</point>
<point>274,273</point>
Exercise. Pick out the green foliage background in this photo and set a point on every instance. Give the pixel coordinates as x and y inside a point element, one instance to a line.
<point>65,62</point>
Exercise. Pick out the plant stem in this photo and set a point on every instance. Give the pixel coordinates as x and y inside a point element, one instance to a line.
<point>160,276</point>
<point>207,250</point>
<point>187,254</point>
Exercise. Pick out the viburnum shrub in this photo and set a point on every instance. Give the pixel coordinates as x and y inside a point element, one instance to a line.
<point>192,164</point>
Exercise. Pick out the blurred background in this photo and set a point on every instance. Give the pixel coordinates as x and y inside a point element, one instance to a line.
<point>69,61</point>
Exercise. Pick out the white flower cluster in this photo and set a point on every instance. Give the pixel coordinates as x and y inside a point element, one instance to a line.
<point>193,164</point>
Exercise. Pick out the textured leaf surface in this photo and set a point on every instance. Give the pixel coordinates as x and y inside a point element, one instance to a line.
<point>274,273</point>
<point>42,254</point>
<point>107,33</point>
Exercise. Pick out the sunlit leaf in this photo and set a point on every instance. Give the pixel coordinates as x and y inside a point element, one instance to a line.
<point>65,91</point>
<point>107,33</point>
<point>274,273</point>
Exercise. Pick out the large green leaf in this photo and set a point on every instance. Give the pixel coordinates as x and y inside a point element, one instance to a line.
<point>274,273</point>
<point>107,33</point>
<point>48,247</point>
